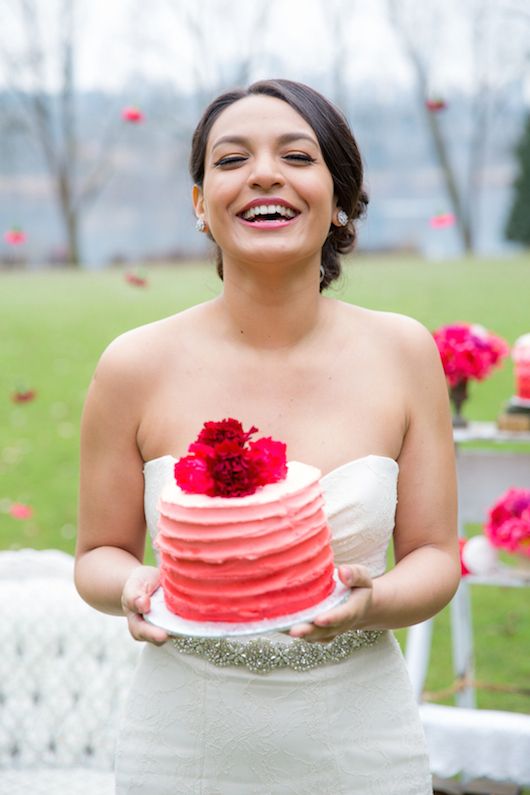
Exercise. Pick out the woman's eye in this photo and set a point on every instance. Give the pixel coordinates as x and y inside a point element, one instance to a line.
<point>301,158</point>
<point>229,161</point>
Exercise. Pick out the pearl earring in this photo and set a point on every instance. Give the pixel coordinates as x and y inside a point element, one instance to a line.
<point>342,217</point>
<point>200,226</point>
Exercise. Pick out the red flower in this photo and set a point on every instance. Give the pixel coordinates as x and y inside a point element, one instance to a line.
<point>20,511</point>
<point>15,236</point>
<point>223,463</point>
<point>232,471</point>
<point>192,475</point>
<point>23,396</point>
<point>226,430</point>
<point>442,220</point>
<point>435,105</point>
<point>132,114</point>
<point>269,459</point>
<point>508,525</point>
<point>136,280</point>
<point>468,351</point>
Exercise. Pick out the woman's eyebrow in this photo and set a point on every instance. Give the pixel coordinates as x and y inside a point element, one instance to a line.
<point>286,138</point>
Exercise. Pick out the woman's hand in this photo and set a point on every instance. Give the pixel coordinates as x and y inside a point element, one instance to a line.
<point>136,599</point>
<point>348,615</point>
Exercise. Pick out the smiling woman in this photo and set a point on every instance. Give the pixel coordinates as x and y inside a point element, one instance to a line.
<point>359,395</point>
<point>315,136</point>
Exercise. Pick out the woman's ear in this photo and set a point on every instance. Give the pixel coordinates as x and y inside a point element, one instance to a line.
<point>198,201</point>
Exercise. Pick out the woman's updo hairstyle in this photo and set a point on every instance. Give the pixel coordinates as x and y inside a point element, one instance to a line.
<point>339,149</point>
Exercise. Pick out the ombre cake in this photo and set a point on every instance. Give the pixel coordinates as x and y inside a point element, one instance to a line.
<point>246,558</point>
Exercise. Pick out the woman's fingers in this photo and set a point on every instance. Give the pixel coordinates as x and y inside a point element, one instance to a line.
<point>142,582</point>
<point>328,625</point>
<point>136,600</point>
<point>355,576</point>
<point>140,629</point>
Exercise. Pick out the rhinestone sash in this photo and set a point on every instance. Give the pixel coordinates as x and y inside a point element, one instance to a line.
<point>260,656</point>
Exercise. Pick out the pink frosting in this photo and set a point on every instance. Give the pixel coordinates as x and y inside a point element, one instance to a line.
<point>246,558</point>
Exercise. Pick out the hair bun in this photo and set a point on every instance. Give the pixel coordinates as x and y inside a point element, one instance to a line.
<point>361,205</point>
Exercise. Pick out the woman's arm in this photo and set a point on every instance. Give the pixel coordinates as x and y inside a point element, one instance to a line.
<point>427,569</point>
<point>109,574</point>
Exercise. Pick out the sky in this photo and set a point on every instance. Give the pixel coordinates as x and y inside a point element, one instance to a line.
<point>123,42</point>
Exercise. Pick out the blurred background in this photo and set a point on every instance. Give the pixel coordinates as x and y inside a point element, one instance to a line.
<point>98,101</point>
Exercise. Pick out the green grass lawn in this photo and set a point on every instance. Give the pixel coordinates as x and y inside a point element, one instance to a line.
<point>55,324</point>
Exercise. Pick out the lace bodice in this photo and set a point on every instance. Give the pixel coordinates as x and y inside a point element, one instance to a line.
<point>360,503</point>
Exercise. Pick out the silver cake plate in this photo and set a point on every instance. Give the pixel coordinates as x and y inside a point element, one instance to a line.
<point>173,624</point>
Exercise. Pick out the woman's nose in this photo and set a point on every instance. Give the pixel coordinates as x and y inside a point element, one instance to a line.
<point>266,172</point>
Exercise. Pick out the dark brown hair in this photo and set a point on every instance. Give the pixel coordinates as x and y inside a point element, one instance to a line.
<point>339,150</point>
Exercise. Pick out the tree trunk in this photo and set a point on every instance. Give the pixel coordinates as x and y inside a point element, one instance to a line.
<point>462,217</point>
<point>70,222</point>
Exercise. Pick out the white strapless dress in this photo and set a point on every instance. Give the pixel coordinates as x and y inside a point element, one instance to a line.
<point>348,726</point>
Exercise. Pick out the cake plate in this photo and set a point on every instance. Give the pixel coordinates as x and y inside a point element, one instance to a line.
<point>173,624</point>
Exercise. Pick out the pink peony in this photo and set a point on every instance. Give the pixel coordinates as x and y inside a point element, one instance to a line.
<point>468,351</point>
<point>508,525</point>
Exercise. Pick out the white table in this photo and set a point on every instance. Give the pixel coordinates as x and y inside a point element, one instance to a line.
<point>463,739</point>
<point>483,476</point>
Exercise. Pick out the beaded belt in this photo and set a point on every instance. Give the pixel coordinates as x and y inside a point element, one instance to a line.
<point>261,655</point>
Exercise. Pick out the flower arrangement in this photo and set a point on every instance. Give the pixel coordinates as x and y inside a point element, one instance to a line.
<point>508,525</point>
<point>468,351</point>
<point>224,462</point>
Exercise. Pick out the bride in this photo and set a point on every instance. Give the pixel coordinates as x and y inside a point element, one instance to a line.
<point>278,185</point>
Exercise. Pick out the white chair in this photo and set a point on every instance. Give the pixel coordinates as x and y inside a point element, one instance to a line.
<point>464,740</point>
<point>64,673</point>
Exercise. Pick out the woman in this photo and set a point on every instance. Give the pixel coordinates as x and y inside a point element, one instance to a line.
<point>358,393</point>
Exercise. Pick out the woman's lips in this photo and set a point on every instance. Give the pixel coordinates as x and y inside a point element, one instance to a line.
<point>280,223</point>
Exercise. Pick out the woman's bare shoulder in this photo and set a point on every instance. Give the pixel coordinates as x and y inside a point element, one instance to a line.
<point>400,333</point>
<point>138,351</point>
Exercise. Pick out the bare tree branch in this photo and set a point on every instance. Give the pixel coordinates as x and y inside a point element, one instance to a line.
<point>52,114</point>
<point>419,63</point>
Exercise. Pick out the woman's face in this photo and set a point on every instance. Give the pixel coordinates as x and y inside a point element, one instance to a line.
<point>267,192</point>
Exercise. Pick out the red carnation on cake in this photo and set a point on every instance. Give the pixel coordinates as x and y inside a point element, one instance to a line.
<point>224,431</point>
<point>223,462</point>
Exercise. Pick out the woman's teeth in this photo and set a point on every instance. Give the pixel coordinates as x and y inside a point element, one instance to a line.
<point>268,209</point>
